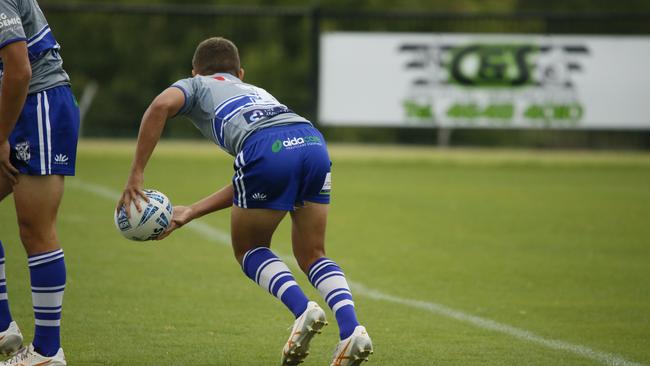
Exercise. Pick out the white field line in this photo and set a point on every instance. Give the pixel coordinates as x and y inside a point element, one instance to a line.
<point>220,237</point>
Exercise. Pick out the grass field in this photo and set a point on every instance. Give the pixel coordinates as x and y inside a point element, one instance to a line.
<point>459,258</point>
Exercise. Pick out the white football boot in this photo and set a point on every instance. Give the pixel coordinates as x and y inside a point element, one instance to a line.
<point>304,329</point>
<point>11,340</point>
<point>353,350</point>
<point>29,357</point>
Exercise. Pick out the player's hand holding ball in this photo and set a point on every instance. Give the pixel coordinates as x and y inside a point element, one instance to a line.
<point>145,218</point>
<point>182,215</point>
<point>132,194</point>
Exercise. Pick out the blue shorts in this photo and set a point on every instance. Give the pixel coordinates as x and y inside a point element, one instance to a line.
<point>44,141</point>
<point>282,167</point>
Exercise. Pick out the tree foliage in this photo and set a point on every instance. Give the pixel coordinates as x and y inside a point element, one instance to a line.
<point>134,56</point>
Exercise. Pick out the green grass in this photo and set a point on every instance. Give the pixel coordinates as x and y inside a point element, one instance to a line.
<point>556,243</point>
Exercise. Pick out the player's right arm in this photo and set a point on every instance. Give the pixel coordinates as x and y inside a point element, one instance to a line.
<point>15,85</point>
<point>166,105</point>
<point>15,80</point>
<point>219,200</point>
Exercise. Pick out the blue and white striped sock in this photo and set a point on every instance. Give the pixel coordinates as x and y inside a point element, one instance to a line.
<point>270,272</point>
<point>47,272</point>
<point>329,280</point>
<point>5,314</point>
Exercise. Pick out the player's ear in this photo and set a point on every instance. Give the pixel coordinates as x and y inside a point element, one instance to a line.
<point>193,73</point>
<point>240,74</point>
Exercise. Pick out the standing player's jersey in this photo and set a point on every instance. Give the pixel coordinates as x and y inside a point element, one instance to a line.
<point>23,20</point>
<point>227,110</point>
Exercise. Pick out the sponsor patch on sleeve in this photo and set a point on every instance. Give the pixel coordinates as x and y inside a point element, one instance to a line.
<point>327,186</point>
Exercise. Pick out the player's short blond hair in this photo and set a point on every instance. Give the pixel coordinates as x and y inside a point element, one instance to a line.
<point>215,55</point>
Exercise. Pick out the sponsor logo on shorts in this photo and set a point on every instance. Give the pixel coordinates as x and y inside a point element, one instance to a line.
<point>277,146</point>
<point>61,159</point>
<point>258,196</point>
<point>23,151</point>
<point>295,142</point>
<point>5,21</point>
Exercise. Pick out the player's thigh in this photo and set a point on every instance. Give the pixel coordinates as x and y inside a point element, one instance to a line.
<point>309,224</point>
<point>252,227</point>
<point>5,188</point>
<point>37,200</point>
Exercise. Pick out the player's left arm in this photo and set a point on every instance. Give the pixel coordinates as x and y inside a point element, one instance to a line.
<point>15,85</point>
<point>166,105</point>
<point>183,214</point>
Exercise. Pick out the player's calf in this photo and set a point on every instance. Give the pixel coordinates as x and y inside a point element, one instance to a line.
<point>355,345</point>
<point>328,278</point>
<point>272,274</point>
<point>48,278</point>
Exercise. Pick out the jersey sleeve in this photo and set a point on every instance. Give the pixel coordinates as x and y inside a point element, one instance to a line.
<point>188,87</point>
<point>11,27</point>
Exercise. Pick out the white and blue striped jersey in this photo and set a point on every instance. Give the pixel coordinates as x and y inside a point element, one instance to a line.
<point>227,110</point>
<point>23,20</point>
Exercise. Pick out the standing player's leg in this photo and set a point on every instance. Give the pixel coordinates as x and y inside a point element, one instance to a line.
<point>10,337</point>
<point>44,144</point>
<point>5,188</point>
<point>308,237</point>
<point>37,200</point>
<point>252,230</point>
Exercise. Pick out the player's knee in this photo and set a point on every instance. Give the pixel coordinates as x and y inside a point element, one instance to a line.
<point>239,254</point>
<point>239,257</point>
<point>306,259</point>
<point>35,235</point>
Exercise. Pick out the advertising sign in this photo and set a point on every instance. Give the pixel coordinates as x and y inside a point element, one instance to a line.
<point>484,81</point>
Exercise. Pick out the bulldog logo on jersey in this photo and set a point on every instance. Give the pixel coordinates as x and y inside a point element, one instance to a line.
<point>22,151</point>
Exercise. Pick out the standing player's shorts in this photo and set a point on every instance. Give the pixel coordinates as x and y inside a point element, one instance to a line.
<point>281,167</point>
<point>44,141</point>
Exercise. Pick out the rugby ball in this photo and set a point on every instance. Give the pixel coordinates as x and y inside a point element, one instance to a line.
<point>149,223</point>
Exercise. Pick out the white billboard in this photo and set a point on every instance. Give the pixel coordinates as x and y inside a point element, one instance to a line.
<point>494,81</point>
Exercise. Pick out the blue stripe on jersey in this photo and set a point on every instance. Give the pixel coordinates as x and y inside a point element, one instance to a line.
<point>228,109</point>
<point>46,28</point>
<point>41,43</point>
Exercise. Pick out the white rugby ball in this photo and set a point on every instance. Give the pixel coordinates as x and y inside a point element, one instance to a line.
<point>149,223</point>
